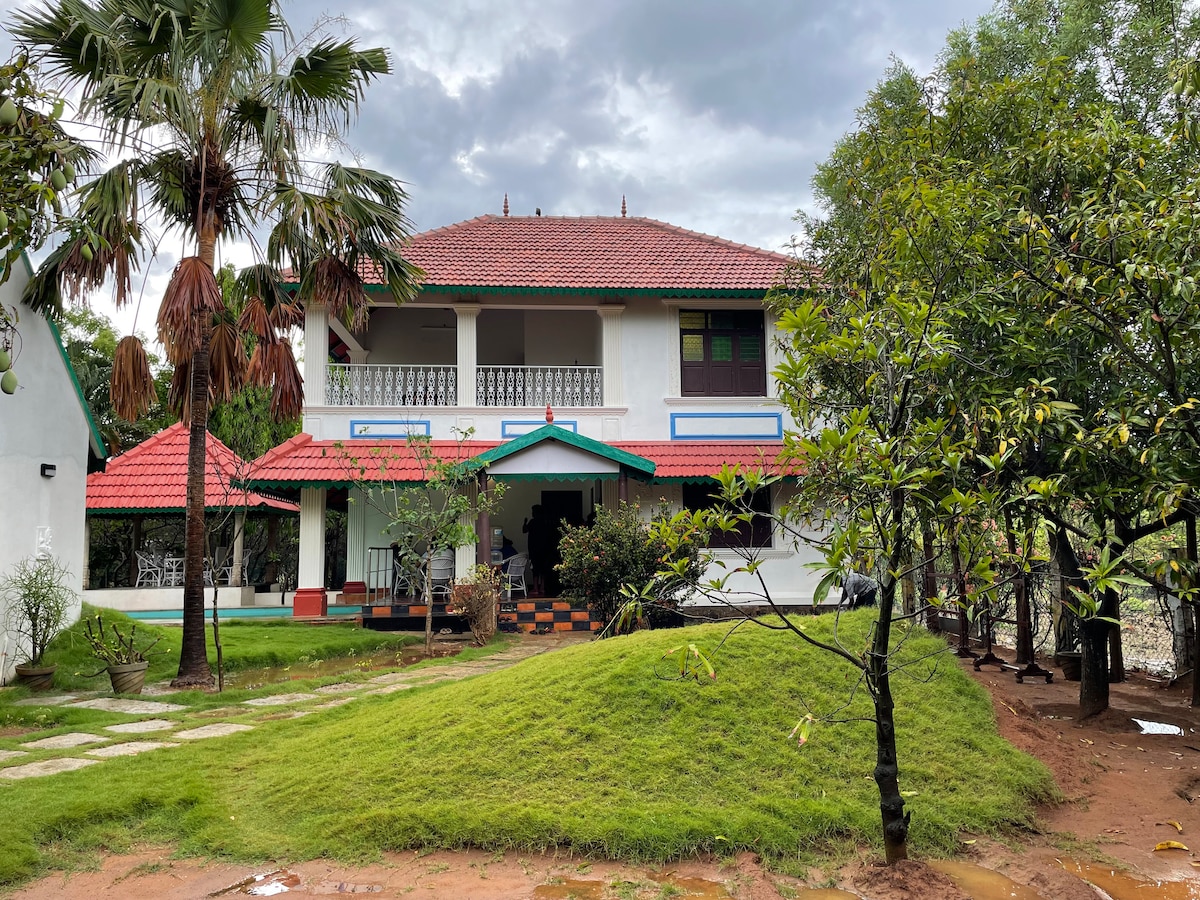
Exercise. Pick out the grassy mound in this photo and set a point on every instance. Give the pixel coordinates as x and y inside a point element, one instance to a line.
<point>584,748</point>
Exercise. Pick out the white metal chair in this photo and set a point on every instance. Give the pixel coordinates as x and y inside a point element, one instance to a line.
<point>441,574</point>
<point>514,578</point>
<point>150,570</point>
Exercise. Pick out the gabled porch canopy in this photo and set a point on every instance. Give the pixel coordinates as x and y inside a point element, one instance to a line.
<point>552,452</point>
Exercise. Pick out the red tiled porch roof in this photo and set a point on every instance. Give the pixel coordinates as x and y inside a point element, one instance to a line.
<point>302,462</point>
<point>587,253</point>
<point>153,477</point>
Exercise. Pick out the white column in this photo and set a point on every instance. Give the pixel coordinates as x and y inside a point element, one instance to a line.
<point>316,352</point>
<point>239,548</point>
<point>468,350</point>
<point>312,538</point>
<point>464,556</point>
<point>356,536</point>
<point>610,344</point>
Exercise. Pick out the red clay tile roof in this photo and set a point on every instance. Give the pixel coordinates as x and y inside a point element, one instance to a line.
<point>587,253</point>
<point>153,476</point>
<point>303,461</point>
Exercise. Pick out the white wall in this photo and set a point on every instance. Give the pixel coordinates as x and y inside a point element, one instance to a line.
<point>42,422</point>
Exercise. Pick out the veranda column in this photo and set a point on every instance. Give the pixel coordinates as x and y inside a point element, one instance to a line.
<point>464,556</point>
<point>239,545</point>
<point>468,350</point>
<point>310,599</point>
<point>610,343</point>
<point>316,352</point>
<point>356,543</point>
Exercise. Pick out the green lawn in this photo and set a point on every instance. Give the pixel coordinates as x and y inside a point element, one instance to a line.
<point>583,748</point>
<point>245,645</point>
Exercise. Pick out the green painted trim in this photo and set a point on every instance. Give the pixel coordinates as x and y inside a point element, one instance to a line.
<point>98,444</point>
<point>549,432</point>
<point>117,512</point>
<point>519,290</point>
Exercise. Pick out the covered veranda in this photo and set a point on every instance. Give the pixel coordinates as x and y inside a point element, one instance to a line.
<point>147,488</point>
<point>552,466</point>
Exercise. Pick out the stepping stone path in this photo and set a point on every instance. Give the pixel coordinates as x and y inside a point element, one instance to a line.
<point>279,699</point>
<point>145,725</point>
<point>132,707</point>
<point>46,767</point>
<point>332,695</point>
<point>217,729</point>
<point>130,749</point>
<point>66,741</point>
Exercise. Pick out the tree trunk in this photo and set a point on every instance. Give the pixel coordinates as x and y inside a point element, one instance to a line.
<point>1116,654</point>
<point>1093,677</point>
<point>928,574</point>
<point>193,657</point>
<point>887,769</point>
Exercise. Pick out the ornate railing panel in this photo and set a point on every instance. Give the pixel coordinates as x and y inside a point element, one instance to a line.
<point>375,385</point>
<point>539,386</point>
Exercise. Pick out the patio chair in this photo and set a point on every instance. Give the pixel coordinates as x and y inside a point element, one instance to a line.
<point>150,570</point>
<point>441,574</point>
<point>514,578</point>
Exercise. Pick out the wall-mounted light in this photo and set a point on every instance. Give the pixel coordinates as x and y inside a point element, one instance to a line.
<point>49,470</point>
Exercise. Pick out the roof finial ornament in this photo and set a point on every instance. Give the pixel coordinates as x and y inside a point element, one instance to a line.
<point>506,203</point>
<point>622,206</point>
<point>549,414</point>
<point>537,211</point>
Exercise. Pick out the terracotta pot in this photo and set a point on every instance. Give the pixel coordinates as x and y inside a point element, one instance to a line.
<point>36,678</point>
<point>129,678</point>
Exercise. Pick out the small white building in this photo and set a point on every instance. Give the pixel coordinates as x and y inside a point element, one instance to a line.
<point>47,438</point>
<point>649,343</point>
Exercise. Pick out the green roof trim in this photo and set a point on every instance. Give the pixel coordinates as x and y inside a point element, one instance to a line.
<point>98,444</point>
<point>172,511</point>
<point>529,290</point>
<point>550,432</point>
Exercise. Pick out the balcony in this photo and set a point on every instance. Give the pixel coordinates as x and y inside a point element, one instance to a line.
<point>370,384</point>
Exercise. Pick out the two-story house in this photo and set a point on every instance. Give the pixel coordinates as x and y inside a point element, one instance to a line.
<point>649,344</point>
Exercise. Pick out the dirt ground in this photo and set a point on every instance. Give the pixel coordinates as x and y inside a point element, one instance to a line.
<point>1122,790</point>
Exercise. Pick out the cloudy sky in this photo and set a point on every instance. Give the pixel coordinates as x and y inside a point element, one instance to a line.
<point>709,114</point>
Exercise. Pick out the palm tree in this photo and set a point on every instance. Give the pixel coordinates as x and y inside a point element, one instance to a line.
<point>209,107</point>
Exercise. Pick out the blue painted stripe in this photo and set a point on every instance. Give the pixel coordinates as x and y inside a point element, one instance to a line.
<point>775,434</point>
<point>382,428</point>
<point>534,424</point>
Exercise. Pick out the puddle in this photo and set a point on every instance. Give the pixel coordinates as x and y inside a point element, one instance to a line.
<point>267,884</point>
<point>570,889</point>
<point>984,884</point>
<point>689,888</point>
<point>1120,886</point>
<point>1158,727</point>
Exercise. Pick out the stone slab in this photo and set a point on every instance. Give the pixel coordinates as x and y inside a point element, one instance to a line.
<point>217,729</point>
<point>57,700</point>
<point>12,754</point>
<point>130,748</point>
<point>46,767</point>
<point>342,687</point>
<point>132,707</point>
<point>142,727</point>
<point>66,741</point>
<point>279,699</point>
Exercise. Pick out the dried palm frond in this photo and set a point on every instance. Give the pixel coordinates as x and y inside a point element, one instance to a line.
<point>334,283</point>
<point>226,361</point>
<point>132,384</point>
<point>255,320</point>
<point>287,315</point>
<point>257,372</point>
<point>287,396</point>
<point>180,393</point>
<point>191,300</point>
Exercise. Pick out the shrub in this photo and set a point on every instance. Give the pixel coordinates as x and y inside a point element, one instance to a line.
<point>619,550</point>
<point>475,596</point>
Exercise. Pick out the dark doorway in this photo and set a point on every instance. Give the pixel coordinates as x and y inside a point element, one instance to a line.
<point>560,507</point>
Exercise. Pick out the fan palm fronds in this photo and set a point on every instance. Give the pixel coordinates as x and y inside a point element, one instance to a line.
<point>132,384</point>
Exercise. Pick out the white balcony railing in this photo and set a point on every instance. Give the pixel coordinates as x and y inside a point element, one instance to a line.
<point>539,386</point>
<point>372,385</point>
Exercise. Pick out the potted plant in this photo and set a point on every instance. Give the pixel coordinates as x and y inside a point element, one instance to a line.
<point>125,661</point>
<point>38,605</point>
